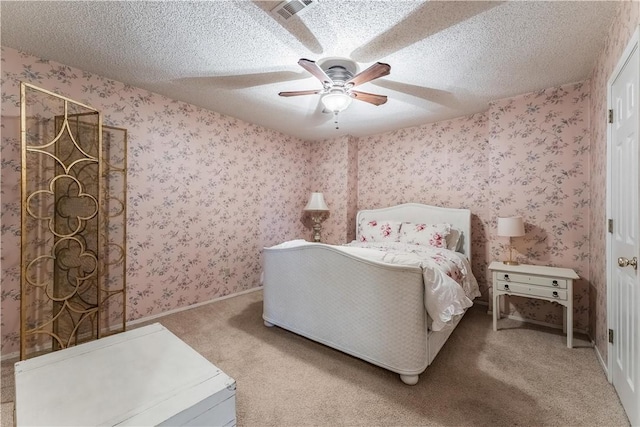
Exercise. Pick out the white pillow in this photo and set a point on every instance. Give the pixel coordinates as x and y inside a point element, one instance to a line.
<point>453,239</point>
<point>425,234</point>
<point>380,231</point>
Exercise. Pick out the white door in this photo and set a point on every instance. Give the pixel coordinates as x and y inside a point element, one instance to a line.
<point>625,240</point>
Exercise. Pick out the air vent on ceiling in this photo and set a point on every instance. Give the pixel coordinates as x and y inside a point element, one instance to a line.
<point>288,8</point>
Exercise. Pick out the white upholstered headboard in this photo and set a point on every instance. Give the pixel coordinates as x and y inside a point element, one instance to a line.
<point>419,213</point>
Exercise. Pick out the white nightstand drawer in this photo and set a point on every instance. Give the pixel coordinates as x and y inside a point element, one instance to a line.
<point>533,280</point>
<point>538,291</point>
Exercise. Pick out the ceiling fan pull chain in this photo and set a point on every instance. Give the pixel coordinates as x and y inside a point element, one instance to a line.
<point>335,119</point>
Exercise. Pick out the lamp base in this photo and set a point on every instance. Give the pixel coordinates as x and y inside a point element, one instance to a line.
<point>510,261</point>
<point>317,218</point>
<point>316,231</point>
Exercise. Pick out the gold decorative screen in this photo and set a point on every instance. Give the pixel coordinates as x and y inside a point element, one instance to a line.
<point>114,228</point>
<point>73,223</point>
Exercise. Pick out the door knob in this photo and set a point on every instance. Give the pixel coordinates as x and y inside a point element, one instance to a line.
<point>633,262</point>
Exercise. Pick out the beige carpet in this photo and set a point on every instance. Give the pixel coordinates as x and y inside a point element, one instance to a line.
<point>521,375</point>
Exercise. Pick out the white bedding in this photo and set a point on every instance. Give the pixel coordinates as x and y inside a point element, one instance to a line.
<point>449,284</point>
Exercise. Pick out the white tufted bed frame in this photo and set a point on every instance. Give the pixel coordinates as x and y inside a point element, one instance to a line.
<point>371,310</point>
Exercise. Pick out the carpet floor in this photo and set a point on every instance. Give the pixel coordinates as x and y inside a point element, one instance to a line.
<point>522,375</point>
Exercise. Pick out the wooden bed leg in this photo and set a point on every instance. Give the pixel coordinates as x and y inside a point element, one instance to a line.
<point>409,379</point>
<point>268,324</point>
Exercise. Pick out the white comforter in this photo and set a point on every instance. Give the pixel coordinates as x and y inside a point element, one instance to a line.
<point>449,283</point>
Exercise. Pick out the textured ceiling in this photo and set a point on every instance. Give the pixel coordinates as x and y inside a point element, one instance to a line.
<point>447,59</point>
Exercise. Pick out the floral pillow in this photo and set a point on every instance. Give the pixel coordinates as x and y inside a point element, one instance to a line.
<point>380,231</point>
<point>425,234</point>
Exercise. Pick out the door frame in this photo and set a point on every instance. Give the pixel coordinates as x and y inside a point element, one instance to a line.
<point>631,45</point>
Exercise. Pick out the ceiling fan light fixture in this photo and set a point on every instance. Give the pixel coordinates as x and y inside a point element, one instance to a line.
<point>336,101</point>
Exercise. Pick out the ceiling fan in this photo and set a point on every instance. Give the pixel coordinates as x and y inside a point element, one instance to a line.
<point>338,77</point>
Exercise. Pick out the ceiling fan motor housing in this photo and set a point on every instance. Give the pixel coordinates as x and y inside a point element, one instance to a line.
<point>339,74</point>
<point>338,69</point>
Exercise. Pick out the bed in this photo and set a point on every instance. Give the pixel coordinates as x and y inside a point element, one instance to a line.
<point>354,300</point>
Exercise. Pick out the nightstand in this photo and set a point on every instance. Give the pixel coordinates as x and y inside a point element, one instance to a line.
<point>535,281</point>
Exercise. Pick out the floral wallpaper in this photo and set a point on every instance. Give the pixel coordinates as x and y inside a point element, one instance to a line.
<point>10,230</point>
<point>352,186</point>
<point>622,28</point>
<point>442,164</point>
<point>334,173</point>
<point>328,176</point>
<point>526,155</point>
<point>205,192</point>
<point>539,169</point>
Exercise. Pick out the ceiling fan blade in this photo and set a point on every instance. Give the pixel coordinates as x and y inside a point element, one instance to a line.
<point>377,70</point>
<point>299,92</point>
<point>426,20</point>
<point>242,81</point>
<point>315,70</point>
<point>419,94</point>
<point>371,98</point>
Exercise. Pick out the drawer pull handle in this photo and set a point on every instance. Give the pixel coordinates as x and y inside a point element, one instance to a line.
<point>633,262</point>
<point>554,283</point>
<point>506,277</point>
<point>506,287</point>
<point>555,294</point>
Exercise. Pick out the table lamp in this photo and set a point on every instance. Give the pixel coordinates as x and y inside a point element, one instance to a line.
<point>319,211</point>
<point>510,227</point>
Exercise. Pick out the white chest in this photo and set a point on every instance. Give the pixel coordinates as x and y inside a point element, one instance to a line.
<point>146,376</point>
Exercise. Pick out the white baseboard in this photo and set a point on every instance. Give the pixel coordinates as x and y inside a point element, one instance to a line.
<point>535,322</point>
<point>601,360</point>
<point>538,322</point>
<point>10,356</point>
<point>189,307</point>
<point>16,354</point>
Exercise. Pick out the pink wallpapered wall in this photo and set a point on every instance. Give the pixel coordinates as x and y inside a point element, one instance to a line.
<point>188,221</point>
<point>539,161</point>
<point>205,192</point>
<point>442,164</point>
<point>622,28</point>
<point>334,172</point>
<point>352,185</point>
<point>329,176</point>
<point>185,227</point>
<point>526,155</point>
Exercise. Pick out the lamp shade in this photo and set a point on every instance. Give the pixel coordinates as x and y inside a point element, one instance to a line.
<point>316,203</point>
<point>336,101</point>
<point>511,227</point>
